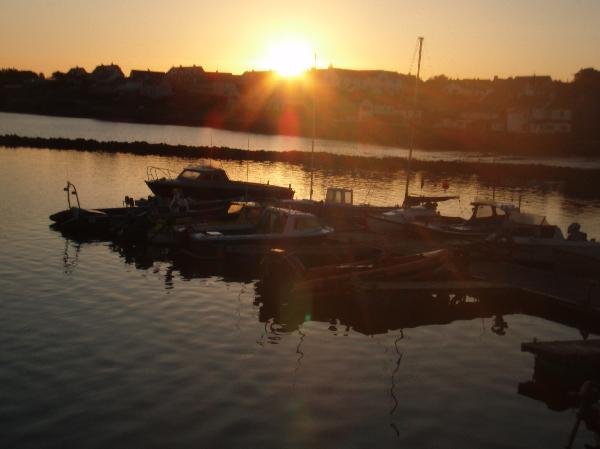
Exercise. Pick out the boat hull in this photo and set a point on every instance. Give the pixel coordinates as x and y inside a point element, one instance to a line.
<point>286,273</point>
<point>230,190</point>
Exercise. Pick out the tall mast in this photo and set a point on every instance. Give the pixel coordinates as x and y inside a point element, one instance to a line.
<point>412,122</point>
<point>314,120</point>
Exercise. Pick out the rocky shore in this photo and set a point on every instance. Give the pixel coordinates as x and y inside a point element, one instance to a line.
<point>580,182</point>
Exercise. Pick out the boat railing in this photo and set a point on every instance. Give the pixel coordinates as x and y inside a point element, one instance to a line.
<point>155,173</point>
<point>71,190</point>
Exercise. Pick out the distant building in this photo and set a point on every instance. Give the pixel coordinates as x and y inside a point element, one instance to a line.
<point>474,120</point>
<point>185,78</point>
<point>552,117</point>
<point>76,76</point>
<point>147,83</point>
<point>219,84</point>
<point>256,79</point>
<point>469,88</point>
<point>533,85</point>
<point>107,74</point>
<point>195,81</point>
<point>373,81</point>
<point>387,110</point>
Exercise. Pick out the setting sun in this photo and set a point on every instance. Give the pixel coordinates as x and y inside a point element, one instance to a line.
<point>289,57</point>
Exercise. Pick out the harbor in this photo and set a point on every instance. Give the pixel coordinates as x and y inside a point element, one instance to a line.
<point>153,269</point>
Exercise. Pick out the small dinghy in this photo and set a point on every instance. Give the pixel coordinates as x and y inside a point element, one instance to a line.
<point>290,271</point>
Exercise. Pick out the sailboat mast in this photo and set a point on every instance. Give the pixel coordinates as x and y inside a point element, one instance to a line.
<point>412,121</point>
<point>314,126</point>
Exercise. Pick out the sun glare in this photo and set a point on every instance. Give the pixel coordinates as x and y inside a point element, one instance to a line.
<point>290,57</point>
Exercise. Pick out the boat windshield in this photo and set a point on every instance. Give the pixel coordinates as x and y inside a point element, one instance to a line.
<point>305,223</point>
<point>339,196</point>
<point>189,174</point>
<point>208,175</point>
<point>487,211</point>
<point>271,222</point>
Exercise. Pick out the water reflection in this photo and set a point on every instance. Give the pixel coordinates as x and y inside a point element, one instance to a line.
<point>71,255</point>
<point>284,317</point>
<point>368,313</point>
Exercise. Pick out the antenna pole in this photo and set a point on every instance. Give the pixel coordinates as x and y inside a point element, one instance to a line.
<point>248,160</point>
<point>314,126</point>
<point>412,122</point>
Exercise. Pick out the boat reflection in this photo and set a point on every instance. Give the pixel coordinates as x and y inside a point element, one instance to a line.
<point>366,312</point>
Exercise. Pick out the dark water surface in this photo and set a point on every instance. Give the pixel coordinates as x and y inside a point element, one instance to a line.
<point>103,348</point>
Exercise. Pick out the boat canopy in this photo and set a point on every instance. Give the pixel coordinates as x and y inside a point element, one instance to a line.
<point>417,200</point>
<point>203,172</point>
<point>528,219</point>
<point>493,203</point>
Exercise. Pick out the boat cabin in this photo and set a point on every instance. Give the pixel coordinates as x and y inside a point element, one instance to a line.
<point>203,173</point>
<point>491,211</point>
<point>276,220</point>
<point>336,195</point>
<point>532,226</point>
<point>274,224</point>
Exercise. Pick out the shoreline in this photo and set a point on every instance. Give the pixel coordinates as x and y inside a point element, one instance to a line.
<point>580,180</point>
<point>390,135</point>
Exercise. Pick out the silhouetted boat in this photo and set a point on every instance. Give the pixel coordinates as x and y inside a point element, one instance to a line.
<point>338,209</point>
<point>288,269</point>
<point>133,218</point>
<point>529,238</point>
<point>204,182</point>
<point>415,210</point>
<point>487,217</point>
<point>275,227</point>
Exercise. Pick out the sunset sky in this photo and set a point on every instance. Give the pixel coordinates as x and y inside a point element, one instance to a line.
<point>463,38</point>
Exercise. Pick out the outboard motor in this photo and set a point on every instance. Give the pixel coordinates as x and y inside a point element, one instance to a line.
<point>574,233</point>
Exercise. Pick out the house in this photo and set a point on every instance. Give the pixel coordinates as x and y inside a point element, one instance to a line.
<point>533,85</point>
<point>474,120</point>
<point>147,83</point>
<point>387,110</point>
<point>537,117</point>
<point>107,74</point>
<point>76,76</point>
<point>373,81</point>
<point>185,78</point>
<point>469,88</point>
<point>219,84</point>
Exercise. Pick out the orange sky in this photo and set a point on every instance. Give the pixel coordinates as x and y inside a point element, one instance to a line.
<point>463,38</point>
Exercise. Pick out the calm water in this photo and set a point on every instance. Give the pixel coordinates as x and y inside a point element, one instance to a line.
<point>45,126</point>
<point>104,348</point>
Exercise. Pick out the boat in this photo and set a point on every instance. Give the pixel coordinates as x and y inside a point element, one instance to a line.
<point>531,239</point>
<point>338,209</point>
<point>242,218</point>
<point>414,208</point>
<point>487,217</point>
<point>293,275</point>
<point>133,217</point>
<point>275,227</point>
<point>204,182</point>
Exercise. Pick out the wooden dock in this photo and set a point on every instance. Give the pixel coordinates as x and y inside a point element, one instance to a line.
<point>564,289</point>
<point>433,286</point>
<point>567,351</point>
<point>567,362</point>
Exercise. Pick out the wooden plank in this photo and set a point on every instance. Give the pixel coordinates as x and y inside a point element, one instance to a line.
<point>555,286</point>
<point>578,349</point>
<point>433,285</point>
